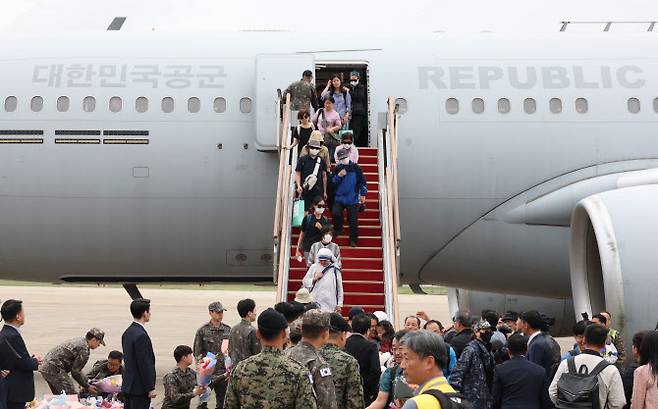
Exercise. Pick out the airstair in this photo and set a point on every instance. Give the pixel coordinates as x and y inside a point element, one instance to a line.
<point>370,271</point>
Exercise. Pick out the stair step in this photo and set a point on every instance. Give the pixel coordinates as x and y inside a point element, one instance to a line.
<point>298,273</point>
<point>366,308</point>
<point>369,167</point>
<point>362,221</point>
<point>366,230</point>
<point>368,151</point>
<point>366,241</point>
<point>348,286</point>
<point>363,298</point>
<point>367,159</point>
<point>355,252</point>
<point>348,262</point>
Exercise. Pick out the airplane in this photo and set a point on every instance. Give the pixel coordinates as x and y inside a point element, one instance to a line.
<point>527,164</point>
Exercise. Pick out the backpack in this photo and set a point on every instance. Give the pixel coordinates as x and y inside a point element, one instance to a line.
<point>579,389</point>
<point>453,400</point>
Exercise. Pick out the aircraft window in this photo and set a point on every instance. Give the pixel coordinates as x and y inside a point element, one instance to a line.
<point>245,105</point>
<point>167,105</point>
<point>655,105</point>
<point>116,104</point>
<point>402,105</point>
<point>63,103</point>
<point>89,104</point>
<point>504,106</point>
<point>555,105</point>
<point>581,106</point>
<point>36,104</point>
<point>11,103</point>
<point>141,104</point>
<point>633,105</point>
<point>194,105</point>
<point>529,105</point>
<point>478,105</point>
<point>219,105</point>
<point>452,106</point>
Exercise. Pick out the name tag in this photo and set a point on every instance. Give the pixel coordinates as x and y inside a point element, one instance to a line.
<point>324,372</point>
<point>310,378</point>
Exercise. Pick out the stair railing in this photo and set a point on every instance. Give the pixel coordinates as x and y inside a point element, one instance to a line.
<point>284,207</point>
<point>282,109</point>
<point>389,213</point>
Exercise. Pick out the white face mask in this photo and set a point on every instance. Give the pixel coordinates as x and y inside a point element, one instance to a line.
<point>319,210</point>
<point>347,146</point>
<point>327,238</point>
<point>345,161</point>
<point>354,83</point>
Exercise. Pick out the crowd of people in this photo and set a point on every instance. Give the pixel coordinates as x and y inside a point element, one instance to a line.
<point>299,356</point>
<point>327,172</point>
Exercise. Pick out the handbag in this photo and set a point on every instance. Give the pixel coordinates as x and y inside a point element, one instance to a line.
<point>312,179</point>
<point>297,212</point>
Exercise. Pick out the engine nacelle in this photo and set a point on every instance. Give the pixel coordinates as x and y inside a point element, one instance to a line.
<point>476,301</point>
<point>614,256</point>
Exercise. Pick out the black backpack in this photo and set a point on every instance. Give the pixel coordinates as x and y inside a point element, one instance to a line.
<point>579,389</point>
<point>452,400</point>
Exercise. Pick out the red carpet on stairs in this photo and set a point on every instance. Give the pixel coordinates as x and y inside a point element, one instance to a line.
<point>363,266</point>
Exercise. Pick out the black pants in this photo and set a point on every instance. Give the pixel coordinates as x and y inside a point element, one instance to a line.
<point>137,402</point>
<point>359,125</point>
<point>352,219</point>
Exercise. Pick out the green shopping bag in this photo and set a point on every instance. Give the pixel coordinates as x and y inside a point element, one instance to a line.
<point>297,213</point>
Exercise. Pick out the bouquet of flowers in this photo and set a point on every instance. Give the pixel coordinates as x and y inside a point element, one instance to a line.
<point>111,384</point>
<point>204,370</point>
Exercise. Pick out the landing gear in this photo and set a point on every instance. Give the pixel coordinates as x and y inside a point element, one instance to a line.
<point>132,290</point>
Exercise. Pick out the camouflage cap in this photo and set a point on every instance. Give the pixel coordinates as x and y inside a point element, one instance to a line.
<point>98,334</point>
<point>296,328</point>
<point>216,306</point>
<point>316,318</point>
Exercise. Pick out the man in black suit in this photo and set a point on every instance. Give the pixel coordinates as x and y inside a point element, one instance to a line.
<point>540,348</point>
<point>519,383</point>
<point>19,384</point>
<point>139,373</point>
<point>366,354</point>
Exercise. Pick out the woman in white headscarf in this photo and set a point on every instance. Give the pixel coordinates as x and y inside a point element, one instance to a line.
<point>325,282</point>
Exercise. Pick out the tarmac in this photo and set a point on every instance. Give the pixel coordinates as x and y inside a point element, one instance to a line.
<point>55,314</point>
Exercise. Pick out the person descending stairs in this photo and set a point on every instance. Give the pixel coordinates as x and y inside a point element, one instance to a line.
<point>362,266</point>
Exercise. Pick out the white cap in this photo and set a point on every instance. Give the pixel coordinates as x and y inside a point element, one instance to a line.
<point>381,316</point>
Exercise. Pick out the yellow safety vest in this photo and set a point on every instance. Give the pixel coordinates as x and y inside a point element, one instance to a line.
<point>430,402</point>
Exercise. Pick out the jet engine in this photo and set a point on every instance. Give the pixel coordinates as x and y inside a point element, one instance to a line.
<point>614,256</point>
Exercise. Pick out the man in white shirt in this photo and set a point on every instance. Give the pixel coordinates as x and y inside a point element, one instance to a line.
<point>611,389</point>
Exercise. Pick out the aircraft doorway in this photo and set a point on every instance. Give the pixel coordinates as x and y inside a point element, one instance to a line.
<point>360,119</point>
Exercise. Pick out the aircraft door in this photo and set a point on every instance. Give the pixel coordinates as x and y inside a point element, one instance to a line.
<point>275,71</point>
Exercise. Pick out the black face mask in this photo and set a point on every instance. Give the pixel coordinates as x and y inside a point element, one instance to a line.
<point>486,336</point>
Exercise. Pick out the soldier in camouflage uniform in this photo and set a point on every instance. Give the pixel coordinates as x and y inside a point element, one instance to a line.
<point>70,357</point>
<point>315,332</point>
<point>344,368</point>
<point>209,338</point>
<point>180,384</point>
<point>269,379</point>
<point>302,93</point>
<point>107,367</point>
<point>243,342</point>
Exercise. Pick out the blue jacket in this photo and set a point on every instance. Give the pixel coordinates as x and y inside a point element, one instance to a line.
<point>139,361</point>
<point>19,385</point>
<point>350,186</point>
<point>520,384</point>
<point>540,351</point>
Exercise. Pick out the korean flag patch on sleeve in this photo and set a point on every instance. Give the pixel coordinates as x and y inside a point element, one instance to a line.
<point>324,372</point>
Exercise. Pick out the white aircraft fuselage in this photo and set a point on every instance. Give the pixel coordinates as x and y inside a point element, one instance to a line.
<point>491,123</point>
